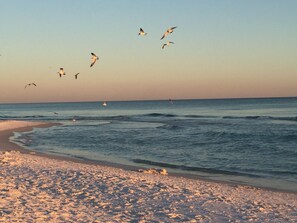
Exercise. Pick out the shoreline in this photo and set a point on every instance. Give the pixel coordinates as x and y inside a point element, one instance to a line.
<point>10,146</point>
<point>36,187</point>
<point>7,132</point>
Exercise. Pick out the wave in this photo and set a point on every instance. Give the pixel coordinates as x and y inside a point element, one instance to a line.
<point>143,117</point>
<point>169,127</point>
<point>285,118</point>
<point>105,118</point>
<point>258,117</point>
<point>250,117</point>
<point>280,172</point>
<point>200,116</point>
<point>191,168</point>
<point>160,115</point>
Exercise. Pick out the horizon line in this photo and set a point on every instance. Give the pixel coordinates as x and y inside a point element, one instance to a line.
<point>138,100</point>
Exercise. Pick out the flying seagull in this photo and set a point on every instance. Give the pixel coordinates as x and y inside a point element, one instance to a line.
<point>76,75</point>
<point>94,59</point>
<point>61,72</point>
<point>141,32</point>
<point>168,31</point>
<point>27,85</point>
<point>167,44</point>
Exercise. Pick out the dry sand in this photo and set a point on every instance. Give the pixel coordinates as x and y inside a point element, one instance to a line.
<point>41,189</point>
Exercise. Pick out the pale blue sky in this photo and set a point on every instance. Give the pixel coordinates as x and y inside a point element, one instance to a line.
<point>222,49</point>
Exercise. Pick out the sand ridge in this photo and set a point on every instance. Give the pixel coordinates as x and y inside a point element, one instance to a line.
<point>14,124</point>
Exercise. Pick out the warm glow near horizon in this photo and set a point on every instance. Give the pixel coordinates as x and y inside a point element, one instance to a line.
<point>225,49</point>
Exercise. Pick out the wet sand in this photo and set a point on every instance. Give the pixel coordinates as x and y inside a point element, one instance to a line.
<point>38,188</point>
<point>7,129</point>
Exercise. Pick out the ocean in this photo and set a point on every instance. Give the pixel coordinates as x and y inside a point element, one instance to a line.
<point>242,141</point>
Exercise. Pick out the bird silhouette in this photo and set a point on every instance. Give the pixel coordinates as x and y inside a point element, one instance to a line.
<point>168,31</point>
<point>141,32</point>
<point>94,58</point>
<point>27,85</point>
<point>61,72</point>
<point>167,44</point>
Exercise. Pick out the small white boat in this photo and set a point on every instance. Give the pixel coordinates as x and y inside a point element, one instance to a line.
<point>104,104</point>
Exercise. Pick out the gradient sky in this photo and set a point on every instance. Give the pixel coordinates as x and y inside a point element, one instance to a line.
<point>223,49</point>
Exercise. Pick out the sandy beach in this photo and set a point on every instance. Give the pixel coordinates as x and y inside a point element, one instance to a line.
<point>36,188</point>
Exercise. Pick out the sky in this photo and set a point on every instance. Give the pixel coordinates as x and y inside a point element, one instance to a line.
<point>222,49</point>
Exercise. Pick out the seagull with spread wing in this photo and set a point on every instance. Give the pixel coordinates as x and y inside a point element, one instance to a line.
<point>27,85</point>
<point>141,32</point>
<point>167,44</point>
<point>168,31</point>
<point>76,75</point>
<point>61,72</point>
<point>94,58</point>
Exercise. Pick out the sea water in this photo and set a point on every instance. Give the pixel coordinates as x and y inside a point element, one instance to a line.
<point>247,141</point>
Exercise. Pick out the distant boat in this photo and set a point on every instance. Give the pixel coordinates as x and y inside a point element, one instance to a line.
<point>104,104</point>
